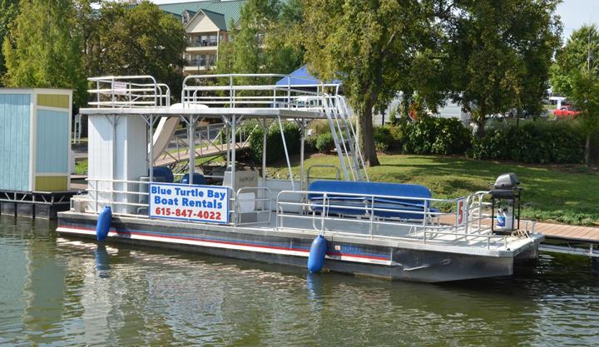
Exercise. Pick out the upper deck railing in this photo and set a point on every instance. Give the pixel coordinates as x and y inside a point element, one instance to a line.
<point>216,91</point>
<point>255,91</point>
<point>128,92</point>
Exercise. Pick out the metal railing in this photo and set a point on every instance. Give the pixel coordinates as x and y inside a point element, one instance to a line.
<point>254,90</point>
<point>357,215</point>
<point>255,202</point>
<point>202,43</point>
<point>128,92</point>
<point>360,215</point>
<point>209,140</point>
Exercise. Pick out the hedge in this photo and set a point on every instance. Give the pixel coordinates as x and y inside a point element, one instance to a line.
<point>274,142</point>
<point>535,142</point>
<point>539,142</point>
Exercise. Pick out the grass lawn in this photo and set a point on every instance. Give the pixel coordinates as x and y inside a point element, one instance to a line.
<point>561,193</point>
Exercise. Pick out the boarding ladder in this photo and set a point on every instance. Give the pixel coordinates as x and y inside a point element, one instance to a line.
<point>344,135</point>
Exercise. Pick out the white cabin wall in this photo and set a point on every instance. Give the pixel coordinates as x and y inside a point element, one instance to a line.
<point>116,153</point>
<point>100,165</point>
<point>130,158</point>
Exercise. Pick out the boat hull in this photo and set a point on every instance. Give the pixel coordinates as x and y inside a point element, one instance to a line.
<point>349,255</point>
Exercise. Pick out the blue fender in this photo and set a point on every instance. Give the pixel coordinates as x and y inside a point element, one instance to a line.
<point>103,225</point>
<point>318,250</point>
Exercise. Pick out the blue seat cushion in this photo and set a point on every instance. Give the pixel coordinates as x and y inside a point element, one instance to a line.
<point>390,200</point>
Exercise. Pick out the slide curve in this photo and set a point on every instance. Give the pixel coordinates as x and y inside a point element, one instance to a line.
<point>166,129</point>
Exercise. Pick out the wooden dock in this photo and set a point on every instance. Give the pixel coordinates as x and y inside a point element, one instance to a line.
<point>559,238</point>
<point>571,239</point>
<point>575,233</point>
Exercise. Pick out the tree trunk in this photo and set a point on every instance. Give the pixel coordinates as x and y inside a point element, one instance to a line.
<point>587,151</point>
<point>367,134</point>
<point>480,132</point>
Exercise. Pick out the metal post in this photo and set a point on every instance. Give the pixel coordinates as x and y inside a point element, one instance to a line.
<point>114,153</point>
<point>286,152</point>
<point>303,140</point>
<point>233,152</point>
<point>264,152</point>
<point>151,152</point>
<point>226,125</point>
<point>191,139</point>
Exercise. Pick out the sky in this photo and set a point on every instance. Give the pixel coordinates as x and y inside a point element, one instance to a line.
<point>574,13</point>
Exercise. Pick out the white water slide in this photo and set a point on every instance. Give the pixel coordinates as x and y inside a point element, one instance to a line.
<point>166,129</point>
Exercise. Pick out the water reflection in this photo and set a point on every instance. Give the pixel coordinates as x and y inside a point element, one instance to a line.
<point>102,263</point>
<point>67,291</point>
<point>314,286</point>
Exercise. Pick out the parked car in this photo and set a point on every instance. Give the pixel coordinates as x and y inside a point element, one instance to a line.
<point>566,112</point>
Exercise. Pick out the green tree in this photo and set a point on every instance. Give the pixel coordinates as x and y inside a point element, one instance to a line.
<point>88,23</point>
<point>262,43</point>
<point>499,53</point>
<point>134,40</point>
<point>8,12</point>
<point>371,46</point>
<point>575,74</point>
<point>42,50</point>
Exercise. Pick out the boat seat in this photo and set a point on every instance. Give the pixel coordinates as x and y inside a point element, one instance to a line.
<point>385,200</point>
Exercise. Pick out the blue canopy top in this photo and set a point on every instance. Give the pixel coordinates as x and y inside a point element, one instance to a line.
<point>301,77</point>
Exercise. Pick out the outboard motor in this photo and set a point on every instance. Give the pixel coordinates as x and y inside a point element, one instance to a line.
<point>505,196</point>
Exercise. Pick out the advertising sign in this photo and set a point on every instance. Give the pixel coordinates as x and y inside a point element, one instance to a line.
<point>193,203</point>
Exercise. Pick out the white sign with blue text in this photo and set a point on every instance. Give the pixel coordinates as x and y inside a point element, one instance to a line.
<point>182,201</point>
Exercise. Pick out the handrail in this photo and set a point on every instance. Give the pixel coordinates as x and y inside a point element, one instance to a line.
<point>219,90</point>
<point>129,92</point>
<point>324,216</point>
<point>262,204</point>
<point>363,218</point>
<point>233,90</point>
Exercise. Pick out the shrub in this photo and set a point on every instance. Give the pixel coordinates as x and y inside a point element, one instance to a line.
<point>315,129</point>
<point>274,142</point>
<point>325,142</point>
<point>535,142</point>
<point>318,127</point>
<point>432,135</point>
<point>382,138</point>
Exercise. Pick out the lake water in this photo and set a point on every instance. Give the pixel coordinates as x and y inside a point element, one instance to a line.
<point>67,292</point>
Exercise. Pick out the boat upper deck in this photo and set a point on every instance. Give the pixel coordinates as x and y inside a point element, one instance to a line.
<point>208,112</point>
<point>213,96</point>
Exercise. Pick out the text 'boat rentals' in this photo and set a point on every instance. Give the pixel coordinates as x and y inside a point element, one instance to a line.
<point>347,225</point>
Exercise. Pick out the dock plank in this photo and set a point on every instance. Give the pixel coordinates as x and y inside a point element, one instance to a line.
<point>569,232</point>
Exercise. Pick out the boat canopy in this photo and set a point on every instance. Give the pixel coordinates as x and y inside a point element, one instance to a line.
<point>302,78</point>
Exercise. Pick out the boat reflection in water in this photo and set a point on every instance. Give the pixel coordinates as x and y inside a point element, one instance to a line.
<point>52,295</point>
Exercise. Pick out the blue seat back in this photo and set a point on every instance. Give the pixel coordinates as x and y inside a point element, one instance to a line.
<point>397,198</point>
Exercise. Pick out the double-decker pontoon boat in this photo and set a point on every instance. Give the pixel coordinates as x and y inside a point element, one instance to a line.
<point>347,225</point>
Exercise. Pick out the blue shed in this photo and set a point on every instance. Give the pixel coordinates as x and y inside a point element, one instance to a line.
<point>35,138</point>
